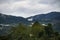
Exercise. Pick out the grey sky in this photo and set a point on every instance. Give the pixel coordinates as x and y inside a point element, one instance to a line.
<point>26,8</point>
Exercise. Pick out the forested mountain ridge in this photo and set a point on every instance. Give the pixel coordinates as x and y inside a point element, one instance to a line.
<point>52,17</point>
<point>49,16</point>
<point>8,19</point>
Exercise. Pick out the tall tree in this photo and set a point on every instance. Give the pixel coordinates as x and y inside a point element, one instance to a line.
<point>37,29</point>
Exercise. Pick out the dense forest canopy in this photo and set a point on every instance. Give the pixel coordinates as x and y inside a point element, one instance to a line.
<point>36,32</point>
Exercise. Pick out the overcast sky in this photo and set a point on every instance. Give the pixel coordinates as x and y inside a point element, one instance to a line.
<point>26,8</point>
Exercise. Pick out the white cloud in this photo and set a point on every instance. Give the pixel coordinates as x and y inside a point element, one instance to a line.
<point>28,8</point>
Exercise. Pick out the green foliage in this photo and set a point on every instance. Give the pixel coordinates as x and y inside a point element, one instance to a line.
<point>36,32</point>
<point>48,30</point>
<point>36,29</point>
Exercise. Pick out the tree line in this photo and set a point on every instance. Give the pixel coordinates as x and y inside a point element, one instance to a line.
<point>35,32</point>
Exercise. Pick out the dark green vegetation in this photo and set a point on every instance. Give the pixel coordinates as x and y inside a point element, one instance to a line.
<point>35,32</point>
<point>25,31</point>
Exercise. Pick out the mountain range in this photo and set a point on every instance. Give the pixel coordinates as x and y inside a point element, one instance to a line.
<point>52,17</point>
